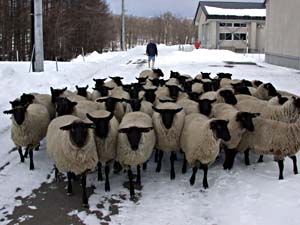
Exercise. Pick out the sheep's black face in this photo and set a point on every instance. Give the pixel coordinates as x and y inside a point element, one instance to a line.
<point>110,104</point>
<point>15,103</point>
<point>247,83</point>
<point>134,135</point>
<point>188,86</point>
<point>205,75</point>
<point>155,82</point>
<point>229,158</point>
<point>78,132</point>
<point>150,95</point>
<point>26,99</point>
<point>271,89</point>
<point>174,74</point>
<point>158,72</point>
<point>215,83</point>
<point>167,116</point>
<point>173,91</point>
<point>240,89</point>
<point>141,80</point>
<point>257,83</point>
<point>82,91</point>
<point>64,106</point>
<point>56,93</point>
<point>135,90</point>
<point>246,120</point>
<point>205,106</point>
<point>101,125</point>
<point>18,113</point>
<point>220,128</point>
<point>194,95</point>
<point>117,80</point>
<point>103,90</point>
<point>297,102</point>
<point>224,75</point>
<point>282,100</point>
<point>99,82</point>
<point>136,104</point>
<point>229,97</point>
<point>207,86</point>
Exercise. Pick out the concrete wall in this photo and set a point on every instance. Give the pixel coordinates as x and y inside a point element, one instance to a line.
<point>283,33</point>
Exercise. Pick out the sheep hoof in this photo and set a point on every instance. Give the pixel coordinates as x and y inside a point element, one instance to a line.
<point>295,171</point>
<point>172,177</point>
<point>31,167</point>
<point>192,181</point>
<point>107,188</point>
<point>205,185</point>
<point>281,177</point>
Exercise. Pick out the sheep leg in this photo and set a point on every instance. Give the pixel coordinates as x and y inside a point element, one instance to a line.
<point>229,158</point>
<point>247,160</point>
<point>160,156</point>
<point>69,190</point>
<point>37,148</point>
<point>193,177</point>
<point>281,166</point>
<point>56,173</point>
<point>172,159</point>
<point>84,196</point>
<point>205,169</point>
<point>261,159</point>
<point>138,177</point>
<point>26,152</point>
<point>131,187</point>
<point>156,155</point>
<point>117,167</point>
<point>31,165</point>
<point>100,177</point>
<point>294,158</point>
<point>184,164</point>
<point>145,165</point>
<point>107,185</point>
<point>21,154</point>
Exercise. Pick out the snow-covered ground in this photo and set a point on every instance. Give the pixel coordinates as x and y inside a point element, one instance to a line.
<point>245,195</point>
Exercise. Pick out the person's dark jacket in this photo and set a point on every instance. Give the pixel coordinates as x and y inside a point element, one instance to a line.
<point>151,49</point>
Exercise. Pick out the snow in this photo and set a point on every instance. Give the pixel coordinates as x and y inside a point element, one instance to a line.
<point>245,195</point>
<point>235,12</point>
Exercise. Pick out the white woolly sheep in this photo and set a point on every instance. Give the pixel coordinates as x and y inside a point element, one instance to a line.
<point>71,144</point>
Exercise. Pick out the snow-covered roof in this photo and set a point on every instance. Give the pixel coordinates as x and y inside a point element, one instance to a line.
<point>235,12</point>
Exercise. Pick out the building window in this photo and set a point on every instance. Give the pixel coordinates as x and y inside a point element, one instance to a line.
<point>240,36</point>
<point>225,24</point>
<point>225,36</point>
<point>240,25</point>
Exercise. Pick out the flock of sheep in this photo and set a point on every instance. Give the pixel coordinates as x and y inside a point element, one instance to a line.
<point>122,124</point>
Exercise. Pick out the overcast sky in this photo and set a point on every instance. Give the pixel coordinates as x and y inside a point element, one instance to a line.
<point>148,8</point>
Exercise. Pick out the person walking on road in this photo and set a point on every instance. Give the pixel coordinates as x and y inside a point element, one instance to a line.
<point>151,52</point>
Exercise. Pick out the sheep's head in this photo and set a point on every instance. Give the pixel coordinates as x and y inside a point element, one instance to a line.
<point>174,74</point>
<point>205,106</point>
<point>296,102</point>
<point>134,135</point>
<point>78,132</point>
<point>141,80</point>
<point>205,75</point>
<point>207,86</point>
<point>155,82</point>
<point>246,120</point>
<point>247,83</point>
<point>271,89</point>
<point>194,95</point>
<point>220,129</point>
<point>240,89</point>
<point>82,91</point>
<point>26,99</point>
<point>281,100</point>
<point>224,75</point>
<point>15,103</point>
<point>56,93</point>
<point>158,72</point>
<point>135,103</point>
<point>150,94</point>
<point>167,115</point>
<point>63,106</point>
<point>133,89</point>
<point>110,103</point>
<point>99,82</point>
<point>174,91</point>
<point>215,84</point>
<point>101,124</point>
<point>103,90</point>
<point>18,113</point>
<point>117,80</point>
<point>257,83</point>
<point>228,96</point>
<point>187,85</point>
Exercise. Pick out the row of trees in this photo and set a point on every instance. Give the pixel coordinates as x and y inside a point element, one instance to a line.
<point>70,26</point>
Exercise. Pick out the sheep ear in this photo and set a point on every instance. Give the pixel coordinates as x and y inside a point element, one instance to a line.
<point>90,117</point>
<point>73,104</point>
<point>178,110</point>
<point>101,100</point>
<point>213,125</point>
<point>64,89</point>
<point>212,101</point>
<point>94,79</point>
<point>111,115</point>
<point>67,127</point>
<point>87,86</point>
<point>145,130</point>
<point>76,87</point>
<point>156,109</point>
<point>123,130</point>
<point>109,88</point>
<point>8,111</point>
<point>51,89</point>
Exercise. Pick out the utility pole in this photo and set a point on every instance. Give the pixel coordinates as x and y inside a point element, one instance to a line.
<point>32,34</point>
<point>123,42</point>
<point>38,36</point>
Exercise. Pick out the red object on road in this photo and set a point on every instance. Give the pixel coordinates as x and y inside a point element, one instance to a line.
<point>197,44</point>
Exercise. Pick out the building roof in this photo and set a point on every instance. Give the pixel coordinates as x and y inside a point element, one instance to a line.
<point>232,10</point>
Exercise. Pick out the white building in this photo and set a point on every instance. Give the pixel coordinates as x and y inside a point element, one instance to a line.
<point>237,26</point>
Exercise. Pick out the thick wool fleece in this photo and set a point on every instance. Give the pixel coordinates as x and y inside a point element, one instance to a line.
<point>34,127</point>
<point>189,106</point>
<point>66,155</point>
<point>146,107</point>
<point>45,100</point>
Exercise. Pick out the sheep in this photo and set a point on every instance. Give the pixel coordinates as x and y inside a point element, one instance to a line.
<point>224,75</point>
<point>265,91</point>
<point>203,106</point>
<point>113,105</point>
<point>43,99</point>
<point>106,133</point>
<point>99,82</point>
<point>134,105</point>
<point>149,95</point>
<point>239,123</point>
<point>256,83</point>
<point>168,120</point>
<point>200,141</point>
<point>288,112</point>
<point>101,91</point>
<point>71,145</point>
<point>203,76</point>
<point>278,100</point>
<point>59,93</point>
<point>154,73</point>
<point>29,127</point>
<point>273,138</point>
<point>136,141</point>
<point>82,91</point>
<point>223,95</point>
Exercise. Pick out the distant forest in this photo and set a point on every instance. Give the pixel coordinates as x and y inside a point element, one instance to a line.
<point>70,26</point>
